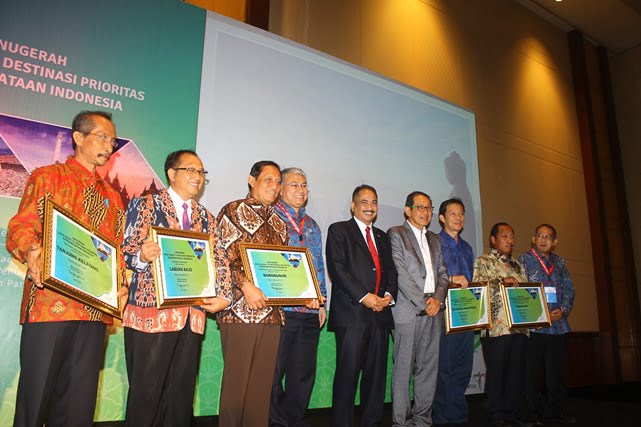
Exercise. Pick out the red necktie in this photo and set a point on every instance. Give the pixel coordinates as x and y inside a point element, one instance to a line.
<point>185,217</point>
<point>377,262</point>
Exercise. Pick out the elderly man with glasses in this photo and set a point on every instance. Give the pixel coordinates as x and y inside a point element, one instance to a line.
<point>62,342</point>
<point>546,346</point>
<point>418,319</point>
<point>296,361</point>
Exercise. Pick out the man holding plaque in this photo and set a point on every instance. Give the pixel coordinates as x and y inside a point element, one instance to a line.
<point>546,346</point>
<point>503,348</point>
<point>162,346</point>
<point>61,347</point>
<point>456,350</point>
<point>364,285</point>
<point>250,329</point>
<point>418,318</point>
<point>296,359</point>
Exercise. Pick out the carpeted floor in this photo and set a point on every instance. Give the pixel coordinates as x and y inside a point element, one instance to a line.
<point>595,406</point>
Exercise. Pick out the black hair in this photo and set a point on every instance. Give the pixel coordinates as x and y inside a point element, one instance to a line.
<point>258,167</point>
<point>443,208</point>
<point>83,123</point>
<point>363,187</point>
<point>173,158</point>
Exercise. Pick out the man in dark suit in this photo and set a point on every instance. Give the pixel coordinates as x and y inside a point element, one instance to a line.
<point>422,286</point>
<point>364,283</point>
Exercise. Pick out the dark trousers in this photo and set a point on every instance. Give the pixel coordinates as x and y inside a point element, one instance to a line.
<point>505,370</point>
<point>162,369</point>
<point>249,355</point>
<point>360,348</point>
<point>455,362</point>
<point>60,363</point>
<point>546,351</point>
<point>296,362</point>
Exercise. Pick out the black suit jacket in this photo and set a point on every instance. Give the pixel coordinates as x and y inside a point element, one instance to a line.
<point>353,274</point>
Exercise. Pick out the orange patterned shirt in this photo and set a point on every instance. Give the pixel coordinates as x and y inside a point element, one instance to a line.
<point>90,198</point>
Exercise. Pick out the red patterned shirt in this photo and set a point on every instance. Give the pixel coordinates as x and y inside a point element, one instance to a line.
<point>86,195</point>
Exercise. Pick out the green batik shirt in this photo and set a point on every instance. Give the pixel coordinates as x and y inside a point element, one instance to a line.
<point>493,268</point>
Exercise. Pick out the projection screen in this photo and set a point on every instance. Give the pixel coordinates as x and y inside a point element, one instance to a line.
<point>266,98</point>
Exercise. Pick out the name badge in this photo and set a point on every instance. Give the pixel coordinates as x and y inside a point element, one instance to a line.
<point>550,294</point>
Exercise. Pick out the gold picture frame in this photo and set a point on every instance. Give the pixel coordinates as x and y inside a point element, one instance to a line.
<point>468,309</point>
<point>79,261</point>
<point>275,270</point>
<point>185,271</point>
<point>525,305</point>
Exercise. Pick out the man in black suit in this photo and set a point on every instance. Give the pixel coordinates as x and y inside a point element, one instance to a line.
<point>364,286</point>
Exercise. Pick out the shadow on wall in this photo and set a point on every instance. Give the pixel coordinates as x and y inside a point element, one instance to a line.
<point>456,174</point>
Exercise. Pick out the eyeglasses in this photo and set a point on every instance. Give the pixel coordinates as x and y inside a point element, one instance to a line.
<point>104,138</point>
<point>298,186</point>
<point>545,236</point>
<point>193,171</point>
<point>423,208</point>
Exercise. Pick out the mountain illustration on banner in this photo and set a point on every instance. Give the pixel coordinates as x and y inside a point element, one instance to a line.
<point>198,248</point>
<point>293,258</point>
<point>103,251</point>
<point>28,144</point>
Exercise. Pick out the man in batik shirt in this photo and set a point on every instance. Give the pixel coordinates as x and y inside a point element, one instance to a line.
<point>62,342</point>
<point>296,360</point>
<point>546,346</point>
<point>162,346</point>
<point>503,348</point>
<point>249,329</point>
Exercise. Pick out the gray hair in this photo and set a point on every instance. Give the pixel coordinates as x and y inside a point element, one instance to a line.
<point>297,171</point>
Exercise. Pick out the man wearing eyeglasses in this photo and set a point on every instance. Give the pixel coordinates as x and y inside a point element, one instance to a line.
<point>62,342</point>
<point>422,288</point>
<point>296,360</point>
<point>162,346</point>
<point>546,347</point>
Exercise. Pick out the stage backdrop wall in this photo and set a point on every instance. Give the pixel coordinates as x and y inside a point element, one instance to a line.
<point>263,97</point>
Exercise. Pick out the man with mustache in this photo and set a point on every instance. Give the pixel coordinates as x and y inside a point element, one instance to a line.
<point>62,342</point>
<point>418,319</point>
<point>364,285</point>
<point>503,348</point>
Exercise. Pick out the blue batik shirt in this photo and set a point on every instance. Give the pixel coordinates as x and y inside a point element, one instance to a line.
<point>311,238</point>
<point>457,256</point>
<point>559,278</point>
